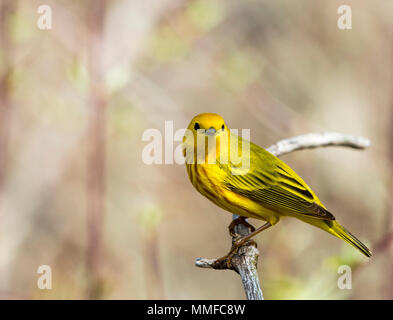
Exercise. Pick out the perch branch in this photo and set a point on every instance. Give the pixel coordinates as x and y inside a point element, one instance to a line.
<point>317,140</point>
<point>245,261</point>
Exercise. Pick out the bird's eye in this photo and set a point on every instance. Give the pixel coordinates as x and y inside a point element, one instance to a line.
<point>223,127</point>
<point>196,126</point>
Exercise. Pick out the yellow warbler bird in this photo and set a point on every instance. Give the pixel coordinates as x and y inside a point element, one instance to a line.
<point>265,188</point>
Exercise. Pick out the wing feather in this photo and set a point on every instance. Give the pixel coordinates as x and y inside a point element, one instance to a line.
<point>276,186</point>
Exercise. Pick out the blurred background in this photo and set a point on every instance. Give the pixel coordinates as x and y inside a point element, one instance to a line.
<point>76,99</point>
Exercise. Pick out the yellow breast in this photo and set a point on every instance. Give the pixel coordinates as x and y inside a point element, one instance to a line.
<point>208,180</point>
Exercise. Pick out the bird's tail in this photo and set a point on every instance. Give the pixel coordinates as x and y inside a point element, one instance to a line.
<point>340,232</point>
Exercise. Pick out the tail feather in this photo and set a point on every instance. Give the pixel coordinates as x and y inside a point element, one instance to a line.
<point>342,233</point>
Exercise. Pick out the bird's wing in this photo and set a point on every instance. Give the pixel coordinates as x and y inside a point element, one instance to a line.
<point>276,186</point>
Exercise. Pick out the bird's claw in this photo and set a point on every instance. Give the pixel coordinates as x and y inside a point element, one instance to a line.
<point>226,261</point>
<point>235,222</point>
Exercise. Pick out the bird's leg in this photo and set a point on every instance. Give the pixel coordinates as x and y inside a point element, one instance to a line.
<point>242,240</point>
<point>226,260</point>
<point>235,222</point>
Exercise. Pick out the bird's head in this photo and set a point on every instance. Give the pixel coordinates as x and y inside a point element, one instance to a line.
<point>205,131</point>
<point>210,124</point>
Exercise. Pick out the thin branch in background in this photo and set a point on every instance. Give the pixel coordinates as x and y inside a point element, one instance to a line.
<point>317,140</point>
<point>149,220</point>
<point>7,8</point>
<point>96,151</point>
<point>154,283</point>
<point>245,260</point>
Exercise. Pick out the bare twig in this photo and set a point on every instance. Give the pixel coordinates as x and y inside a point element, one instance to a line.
<point>245,263</point>
<point>245,260</point>
<point>317,140</point>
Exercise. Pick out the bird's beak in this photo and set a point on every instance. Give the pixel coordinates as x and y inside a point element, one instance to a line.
<point>211,131</point>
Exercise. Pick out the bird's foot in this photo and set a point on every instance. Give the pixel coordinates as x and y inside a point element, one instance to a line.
<point>237,221</point>
<point>225,262</point>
